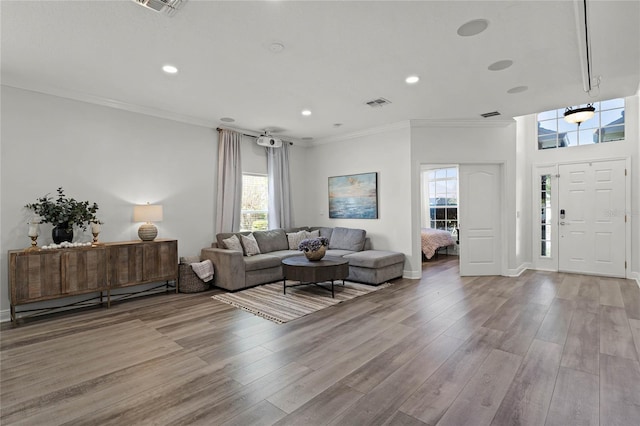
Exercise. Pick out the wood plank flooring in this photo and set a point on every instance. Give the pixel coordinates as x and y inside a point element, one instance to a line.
<point>541,348</point>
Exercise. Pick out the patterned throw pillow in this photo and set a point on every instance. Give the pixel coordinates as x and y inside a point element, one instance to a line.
<point>250,245</point>
<point>233,243</point>
<point>294,239</point>
<point>313,234</point>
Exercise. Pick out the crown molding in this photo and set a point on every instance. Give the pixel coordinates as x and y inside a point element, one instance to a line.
<point>367,132</point>
<point>484,122</point>
<point>112,103</point>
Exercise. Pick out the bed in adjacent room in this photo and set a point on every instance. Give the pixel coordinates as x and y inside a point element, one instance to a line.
<point>434,239</point>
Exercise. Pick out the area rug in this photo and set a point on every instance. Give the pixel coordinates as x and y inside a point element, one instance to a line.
<point>268,301</point>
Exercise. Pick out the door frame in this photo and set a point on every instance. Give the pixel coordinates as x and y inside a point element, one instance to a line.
<point>553,266</point>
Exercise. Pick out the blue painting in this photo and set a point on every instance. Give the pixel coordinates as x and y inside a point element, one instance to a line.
<point>353,196</point>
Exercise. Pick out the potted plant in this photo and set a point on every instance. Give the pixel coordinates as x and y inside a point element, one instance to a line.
<point>314,248</point>
<point>64,213</point>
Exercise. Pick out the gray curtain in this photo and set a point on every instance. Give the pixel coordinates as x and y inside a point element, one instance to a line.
<point>279,187</point>
<point>229,201</point>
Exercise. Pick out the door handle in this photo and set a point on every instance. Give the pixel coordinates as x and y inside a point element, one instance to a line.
<point>564,223</point>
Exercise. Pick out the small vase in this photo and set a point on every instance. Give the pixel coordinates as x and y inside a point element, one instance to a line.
<point>62,232</point>
<point>316,255</point>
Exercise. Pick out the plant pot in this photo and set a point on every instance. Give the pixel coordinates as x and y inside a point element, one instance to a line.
<point>62,232</point>
<point>316,255</point>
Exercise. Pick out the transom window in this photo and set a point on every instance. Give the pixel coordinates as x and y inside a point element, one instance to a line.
<point>255,196</point>
<point>443,198</point>
<point>606,125</point>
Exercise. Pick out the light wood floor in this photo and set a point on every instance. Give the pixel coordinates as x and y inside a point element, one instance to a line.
<point>543,348</point>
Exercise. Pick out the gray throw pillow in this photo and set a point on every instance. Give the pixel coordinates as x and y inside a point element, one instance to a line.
<point>250,245</point>
<point>233,243</point>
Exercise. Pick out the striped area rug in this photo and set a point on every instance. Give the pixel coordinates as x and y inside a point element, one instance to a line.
<point>268,301</point>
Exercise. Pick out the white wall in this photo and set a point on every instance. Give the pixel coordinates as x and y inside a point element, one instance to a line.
<point>385,151</point>
<point>436,142</point>
<point>115,158</point>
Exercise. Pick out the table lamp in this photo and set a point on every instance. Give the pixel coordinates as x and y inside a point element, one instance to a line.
<point>147,213</point>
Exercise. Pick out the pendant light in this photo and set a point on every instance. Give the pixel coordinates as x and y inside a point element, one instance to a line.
<point>579,115</point>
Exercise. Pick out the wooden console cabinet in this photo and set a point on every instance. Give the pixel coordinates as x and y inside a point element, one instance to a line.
<point>54,274</point>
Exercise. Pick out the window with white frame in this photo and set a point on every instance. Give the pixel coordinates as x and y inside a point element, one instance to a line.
<point>606,125</point>
<point>442,193</point>
<point>255,196</point>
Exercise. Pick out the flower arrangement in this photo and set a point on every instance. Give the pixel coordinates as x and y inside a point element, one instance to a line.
<point>65,210</point>
<point>313,244</point>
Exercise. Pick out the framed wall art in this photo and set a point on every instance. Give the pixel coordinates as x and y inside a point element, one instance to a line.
<point>353,196</point>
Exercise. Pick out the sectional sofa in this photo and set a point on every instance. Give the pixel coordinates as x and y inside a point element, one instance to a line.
<point>242,267</point>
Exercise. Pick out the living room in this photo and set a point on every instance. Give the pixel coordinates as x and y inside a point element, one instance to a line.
<point>120,153</point>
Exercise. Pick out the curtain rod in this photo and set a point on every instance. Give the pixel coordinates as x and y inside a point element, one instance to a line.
<point>244,134</point>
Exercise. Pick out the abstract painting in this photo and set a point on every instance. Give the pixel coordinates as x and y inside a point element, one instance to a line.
<point>353,196</point>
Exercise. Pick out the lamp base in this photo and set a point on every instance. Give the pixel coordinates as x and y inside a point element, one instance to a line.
<point>147,232</point>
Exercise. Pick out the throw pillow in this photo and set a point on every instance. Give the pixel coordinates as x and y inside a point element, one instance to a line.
<point>250,245</point>
<point>233,243</point>
<point>294,239</point>
<point>313,234</point>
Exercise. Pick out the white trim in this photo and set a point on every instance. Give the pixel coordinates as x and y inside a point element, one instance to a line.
<point>519,270</point>
<point>362,133</point>
<point>481,122</point>
<point>112,103</point>
<point>5,315</point>
<point>412,275</point>
<point>635,276</point>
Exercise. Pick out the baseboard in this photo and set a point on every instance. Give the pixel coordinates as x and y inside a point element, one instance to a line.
<point>635,276</point>
<point>412,275</point>
<point>516,272</point>
<point>5,315</point>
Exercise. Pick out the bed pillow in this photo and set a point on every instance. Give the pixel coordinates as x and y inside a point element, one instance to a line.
<point>233,243</point>
<point>250,245</point>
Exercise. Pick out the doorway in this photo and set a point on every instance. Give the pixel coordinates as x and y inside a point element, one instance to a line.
<point>581,224</point>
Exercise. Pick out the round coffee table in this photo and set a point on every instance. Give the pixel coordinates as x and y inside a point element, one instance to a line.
<point>298,268</point>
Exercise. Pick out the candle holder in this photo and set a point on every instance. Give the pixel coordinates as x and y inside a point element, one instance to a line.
<point>95,231</point>
<point>33,234</point>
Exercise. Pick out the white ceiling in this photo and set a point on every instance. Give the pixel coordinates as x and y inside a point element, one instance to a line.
<point>337,56</point>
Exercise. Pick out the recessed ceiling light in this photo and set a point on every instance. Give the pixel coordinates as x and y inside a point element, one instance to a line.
<point>306,112</point>
<point>412,79</point>
<point>500,65</point>
<point>337,124</point>
<point>472,28</point>
<point>276,47</point>
<point>307,138</point>
<point>227,119</point>
<point>169,69</point>
<point>518,89</point>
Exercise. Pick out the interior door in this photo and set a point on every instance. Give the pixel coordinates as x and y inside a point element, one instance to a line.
<point>480,218</point>
<point>592,218</point>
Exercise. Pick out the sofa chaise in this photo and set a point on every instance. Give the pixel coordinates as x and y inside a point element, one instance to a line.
<point>248,265</point>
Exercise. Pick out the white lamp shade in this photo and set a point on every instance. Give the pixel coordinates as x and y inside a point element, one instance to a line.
<point>147,213</point>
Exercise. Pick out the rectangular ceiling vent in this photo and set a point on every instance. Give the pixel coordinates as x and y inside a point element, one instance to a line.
<point>168,7</point>
<point>490,114</point>
<point>378,102</point>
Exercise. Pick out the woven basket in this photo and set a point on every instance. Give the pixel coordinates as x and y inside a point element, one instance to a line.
<point>189,282</point>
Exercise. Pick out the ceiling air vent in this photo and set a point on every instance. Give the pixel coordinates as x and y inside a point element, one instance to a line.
<point>378,102</point>
<point>168,7</point>
<point>490,114</point>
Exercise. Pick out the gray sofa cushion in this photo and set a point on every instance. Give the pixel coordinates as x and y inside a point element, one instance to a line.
<point>272,240</point>
<point>375,258</point>
<point>261,261</point>
<point>324,232</point>
<point>347,239</point>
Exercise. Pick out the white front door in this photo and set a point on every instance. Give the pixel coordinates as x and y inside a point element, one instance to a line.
<point>480,219</point>
<point>591,218</point>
